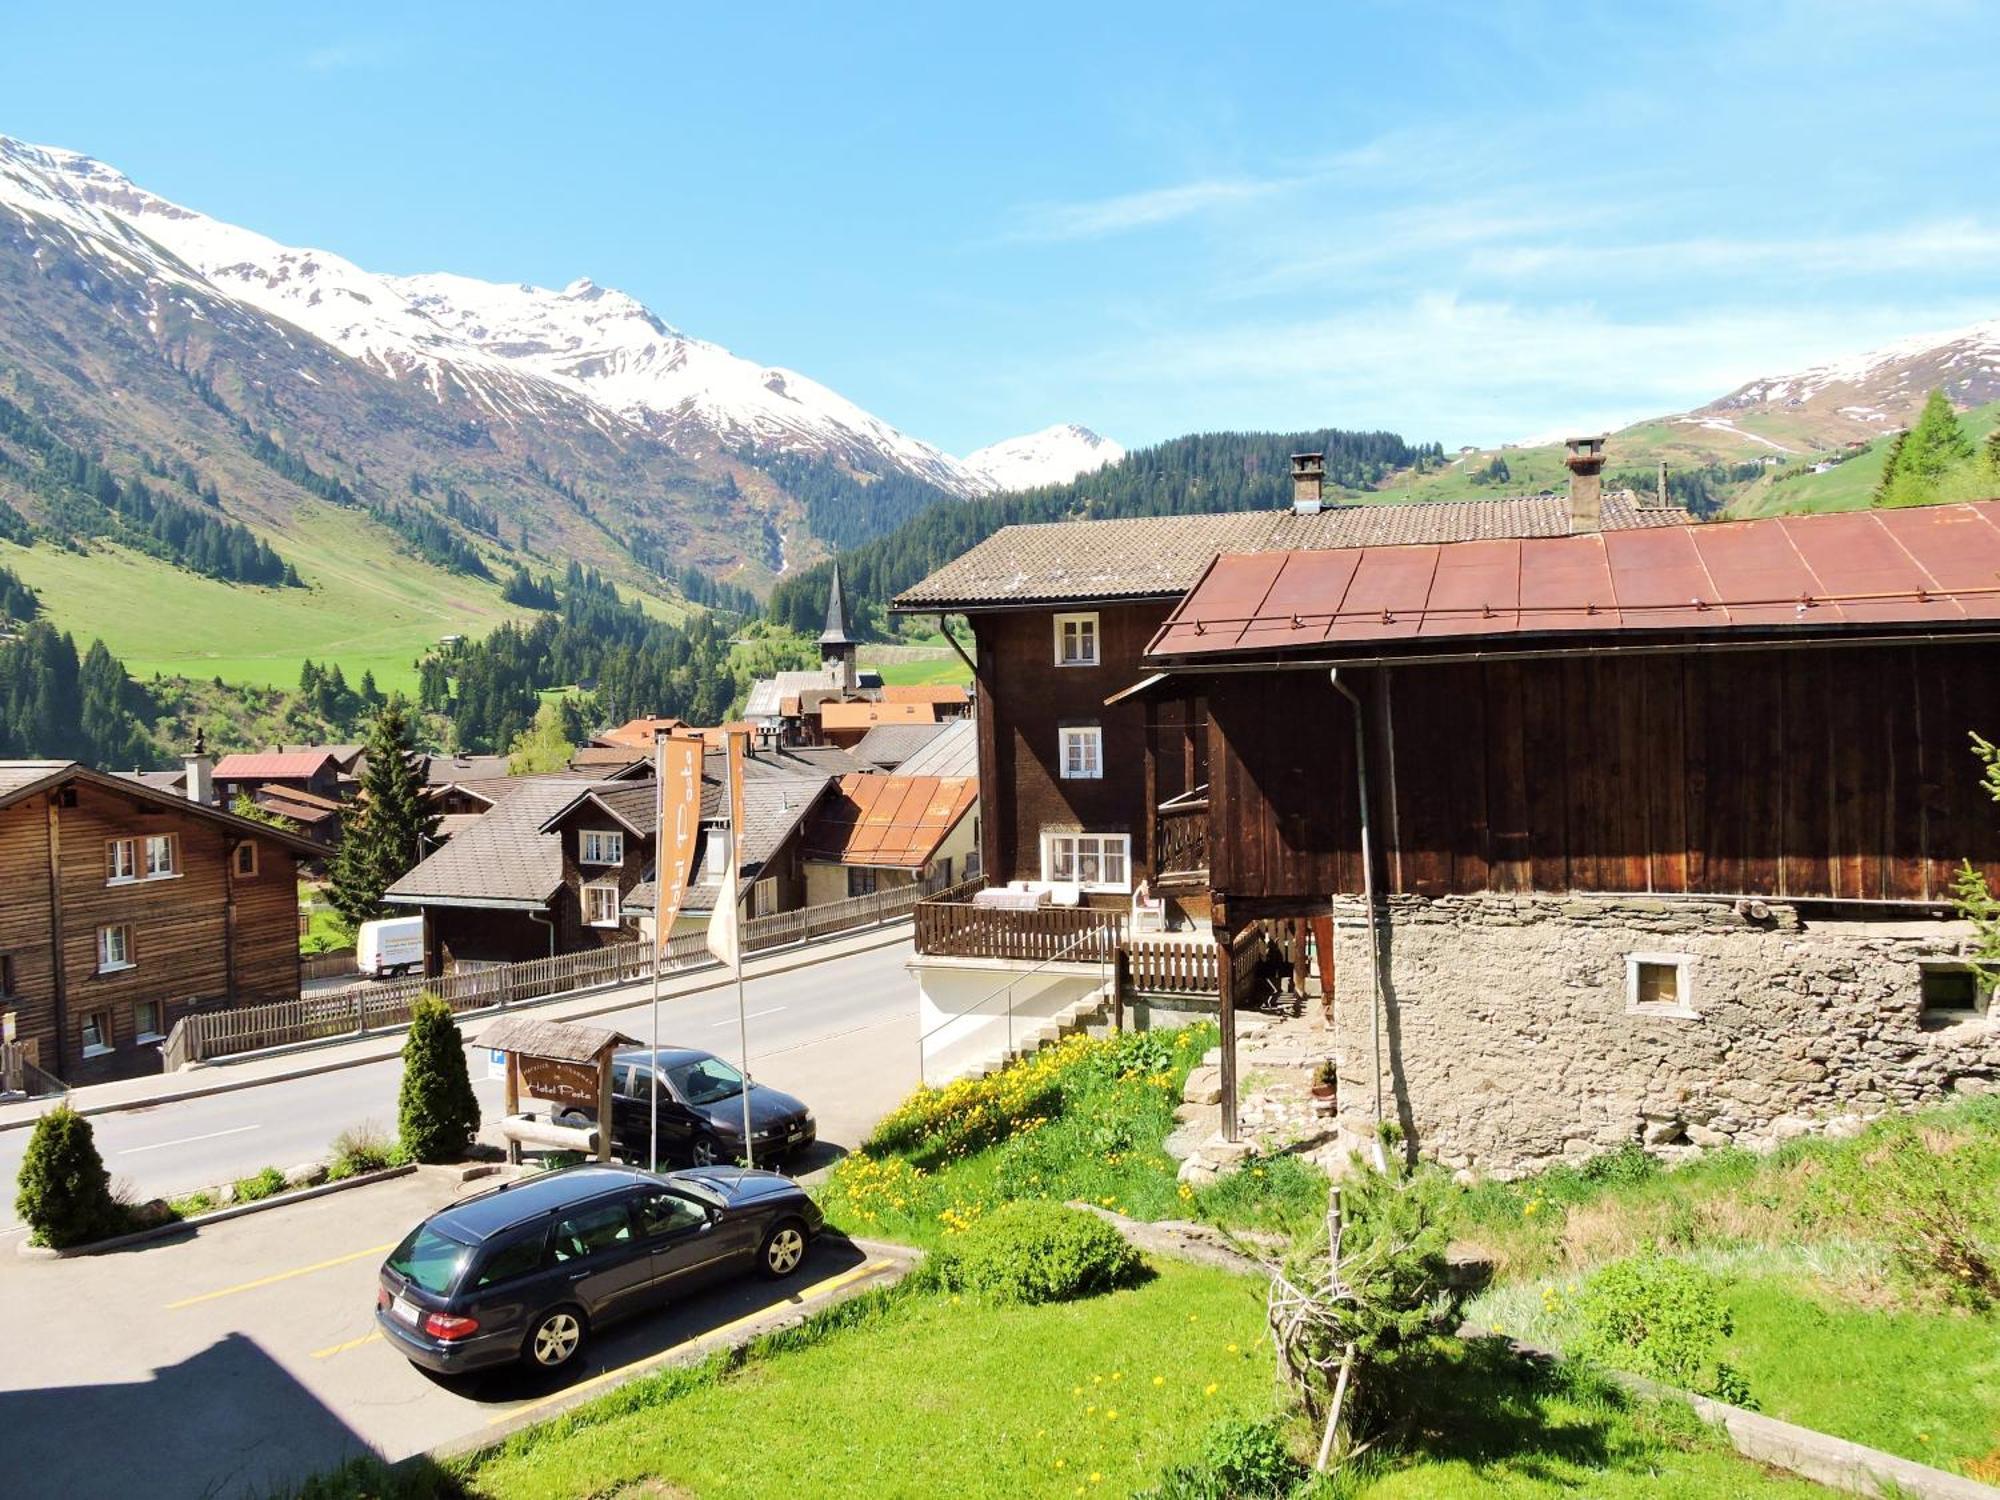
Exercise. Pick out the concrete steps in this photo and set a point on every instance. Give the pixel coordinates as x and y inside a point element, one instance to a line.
<point>1092,1014</point>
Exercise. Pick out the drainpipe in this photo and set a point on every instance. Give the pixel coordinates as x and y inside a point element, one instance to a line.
<point>1368,896</point>
<point>548,922</point>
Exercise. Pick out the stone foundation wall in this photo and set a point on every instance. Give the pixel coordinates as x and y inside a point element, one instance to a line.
<point>1508,1041</point>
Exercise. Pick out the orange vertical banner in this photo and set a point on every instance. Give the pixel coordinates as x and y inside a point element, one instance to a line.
<point>677,768</point>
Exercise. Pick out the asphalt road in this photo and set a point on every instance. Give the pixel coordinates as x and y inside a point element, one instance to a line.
<point>842,1035</point>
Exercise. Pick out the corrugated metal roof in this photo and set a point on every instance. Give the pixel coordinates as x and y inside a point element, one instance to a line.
<point>299,763</point>
<point>942,694</point>
<point>1160,556</point>
<point>888,820</point>
<point>1932,567</point>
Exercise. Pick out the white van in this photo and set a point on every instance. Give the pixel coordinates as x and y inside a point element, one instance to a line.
<point>390,945</point>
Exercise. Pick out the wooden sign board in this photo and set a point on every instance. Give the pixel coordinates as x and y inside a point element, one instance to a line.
<point>561,1082</point>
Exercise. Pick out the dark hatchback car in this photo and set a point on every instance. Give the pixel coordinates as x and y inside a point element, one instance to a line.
<point>701,1110</point>
<point>529,1270</point>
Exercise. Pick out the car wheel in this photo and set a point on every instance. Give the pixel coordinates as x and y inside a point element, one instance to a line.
<point>555,1339</point>
<point>705,1152</point>
<point>783,1250</point>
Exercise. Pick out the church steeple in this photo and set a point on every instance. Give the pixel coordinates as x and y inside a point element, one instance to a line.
<point>835,644</point>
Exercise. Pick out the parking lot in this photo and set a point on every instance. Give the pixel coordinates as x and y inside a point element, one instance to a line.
<point>224,1361</point>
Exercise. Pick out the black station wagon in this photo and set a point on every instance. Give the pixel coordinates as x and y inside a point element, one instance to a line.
<point>528,1270</point>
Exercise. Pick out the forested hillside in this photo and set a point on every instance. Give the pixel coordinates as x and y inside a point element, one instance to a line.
<point>1213,471</point>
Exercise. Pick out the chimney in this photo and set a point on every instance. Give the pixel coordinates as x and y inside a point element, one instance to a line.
<point>1586,487</point>
<point>1308,483</point>
<point>1660,494</point>
<point>200,772</point>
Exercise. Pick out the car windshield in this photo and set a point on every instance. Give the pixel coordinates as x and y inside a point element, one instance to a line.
<point>429,1259</point>
<point>705,1081</point>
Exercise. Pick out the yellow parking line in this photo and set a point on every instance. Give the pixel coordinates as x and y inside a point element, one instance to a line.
<point>812,1293</point>
<point>251,1286</point>
<point>333,1349</point>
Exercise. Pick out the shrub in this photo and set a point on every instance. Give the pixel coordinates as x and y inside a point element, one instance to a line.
<point>265,1184</point>
<point>64,1192</point>
<point>1930,1194</point>
<point>1240,1460</point>
<point>437,1111</point>
<point>1030,1251</point>
<point>362,1149</point>
<point>1662,1318</point>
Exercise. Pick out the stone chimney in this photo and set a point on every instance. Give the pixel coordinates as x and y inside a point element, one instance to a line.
<point>1308,483</point>
<point>199,767</point>
<point>1586,486</point>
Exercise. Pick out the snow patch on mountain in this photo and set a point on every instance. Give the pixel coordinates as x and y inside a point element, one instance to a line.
<point>1054,455</point>
<point>1898,372</point>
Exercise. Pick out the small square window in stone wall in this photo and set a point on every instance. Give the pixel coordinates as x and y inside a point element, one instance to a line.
<point>1659,984</point>
<point>1952,990</point>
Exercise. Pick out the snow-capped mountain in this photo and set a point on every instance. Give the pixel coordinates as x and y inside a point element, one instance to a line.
<point>1882,388</point>
<point>1052,456</point>
<point>517,352</point>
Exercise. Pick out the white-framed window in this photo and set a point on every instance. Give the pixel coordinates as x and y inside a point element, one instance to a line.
<point>114,947</point>
<point>121,860</point>
<point>162,856</point>
<point>600,904</point>
<point>1076,640</point>
<point>146,1017</point>
<point>764,897</point>
<point>1660,984</point>
<point>244,861</point>
<point>1095,861</point>
<point>1951,991</point>
<point>96,1033</point>
<point>600,846</point>
<point>1082,752</point>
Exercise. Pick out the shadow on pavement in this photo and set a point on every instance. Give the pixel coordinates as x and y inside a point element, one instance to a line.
<point>650,1335</point>
<point>227,1421</point>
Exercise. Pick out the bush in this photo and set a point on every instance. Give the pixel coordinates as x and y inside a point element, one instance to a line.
<point>265,1184</point>
<point>64,1192</point>
<point>1929,1193</point>
<point>1662,1318</point>
<point>437,1112</point>
<point>1240,1460</point>
<point>362,1149</point>
<point>1030,1251</point>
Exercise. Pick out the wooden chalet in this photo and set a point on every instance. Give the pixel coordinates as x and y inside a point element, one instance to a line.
<point>127,906</point>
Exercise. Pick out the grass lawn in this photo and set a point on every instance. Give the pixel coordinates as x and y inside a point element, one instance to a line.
<point>921,670</point>
<point>933,1396</point>
<point>367,607</point>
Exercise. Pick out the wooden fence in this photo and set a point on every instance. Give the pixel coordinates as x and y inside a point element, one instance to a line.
<point>378,1005</point>
<point>1043,934</point>
<point>326,965</point>
<point>1160,966</point>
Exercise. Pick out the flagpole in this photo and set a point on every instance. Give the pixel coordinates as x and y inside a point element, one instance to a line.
<point>734,770</point>
<point>659,937</point>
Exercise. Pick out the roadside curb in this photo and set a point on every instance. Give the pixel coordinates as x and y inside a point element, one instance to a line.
<point>1838,1463</point>
<point>886,1265</point>
<point>175,1228</point>
<point>887,935</point>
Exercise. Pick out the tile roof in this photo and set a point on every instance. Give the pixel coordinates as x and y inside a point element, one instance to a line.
<point>20,778</point>
<point>863,715</point>
<point>440,770</point>
<point>18,775</point>
<point>1930,567</point>
<point>159,781</point>
<point>637,734</point>
<point>1156,556</point>
<point>942,694</point>
<point>767,694</point>
<point>888,820</point>
<point>299,763</point>
<point>503,859</point>
<point>771,811</point>
<point>954,751</point>
<point>889,745</point>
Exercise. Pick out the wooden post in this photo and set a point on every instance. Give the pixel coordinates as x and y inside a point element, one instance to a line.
<point>1149,844</point>
<point>513,1101</point>
<point>58,968</point>
<point>604,1097</point>
<point>1225,984</point>
<point>1322,931</point>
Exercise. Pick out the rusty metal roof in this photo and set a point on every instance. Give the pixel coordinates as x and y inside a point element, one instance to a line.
<point>888,820</point>
<point>1152,557</point>
<point>1930,567</point>
<point>303,764</point>
<point>865,715</point>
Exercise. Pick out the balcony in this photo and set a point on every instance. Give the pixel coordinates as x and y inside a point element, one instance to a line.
<point>1180,842</point>
<point>955,925</point>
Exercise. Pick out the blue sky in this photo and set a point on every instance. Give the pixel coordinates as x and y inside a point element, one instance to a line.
<point>1463,222</point>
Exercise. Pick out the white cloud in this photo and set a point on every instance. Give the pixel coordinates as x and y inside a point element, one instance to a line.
<point>337,57</point>
<point>1143,210</point>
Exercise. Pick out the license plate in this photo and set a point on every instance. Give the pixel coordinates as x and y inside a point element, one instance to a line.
<point>796,1136</point>
<point>405,1309</point>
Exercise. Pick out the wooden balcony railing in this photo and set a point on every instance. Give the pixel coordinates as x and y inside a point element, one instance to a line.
<point>1180,839</point>
<point>1068,934</point>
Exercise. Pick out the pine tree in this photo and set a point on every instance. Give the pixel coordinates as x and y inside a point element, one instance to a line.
<point>436,1110</point>
<point>65,1193</point>
<point>390,827</point>
<point>1920,458</point>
